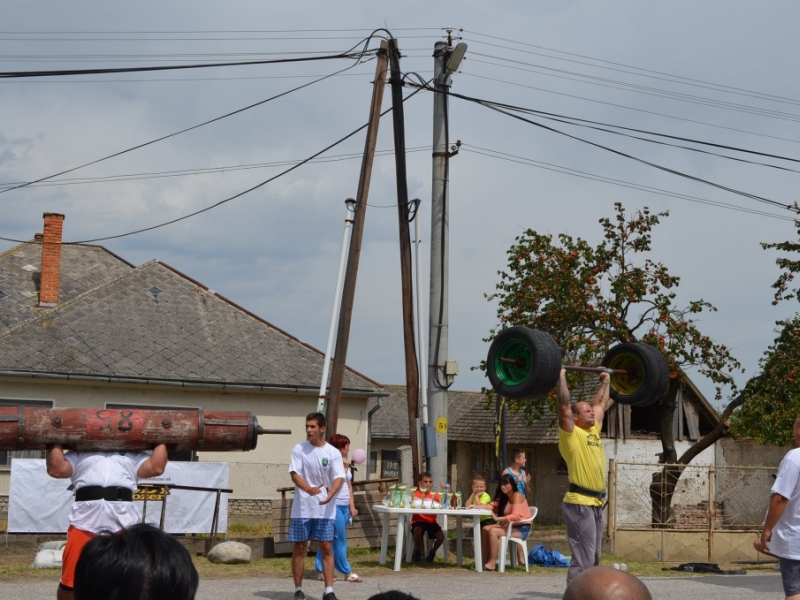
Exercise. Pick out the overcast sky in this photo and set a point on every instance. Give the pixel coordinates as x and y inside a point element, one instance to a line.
<point>659,67</point>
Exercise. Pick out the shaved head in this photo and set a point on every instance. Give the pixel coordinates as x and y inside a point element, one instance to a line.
<point>603,583</point>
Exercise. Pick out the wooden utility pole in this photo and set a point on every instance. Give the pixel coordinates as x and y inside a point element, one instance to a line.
<point>412,374</point>
<point>349,290</point>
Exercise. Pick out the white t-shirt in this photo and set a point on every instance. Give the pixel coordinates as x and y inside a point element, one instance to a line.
<point>317,465</point>
<point>785,540</point>
<point>106,469</point>
<point>343,496</point>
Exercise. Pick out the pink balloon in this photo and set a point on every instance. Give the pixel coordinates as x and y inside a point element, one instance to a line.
<point>359,456</point>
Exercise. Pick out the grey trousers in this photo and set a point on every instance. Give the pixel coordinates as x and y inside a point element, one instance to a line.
<point>585,535</point>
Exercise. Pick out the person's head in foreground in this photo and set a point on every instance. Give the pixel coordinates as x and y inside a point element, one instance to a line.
<point>393,595</point>
<point>604,583</point>
<point>138,563</point>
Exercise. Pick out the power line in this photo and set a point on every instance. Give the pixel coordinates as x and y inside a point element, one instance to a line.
<point>206,171</point>
<point>498,108</point>
<point>644,71</point>
<point>612,181</point>
<point>649,112</point>
<point>230,198</point>
<point>94,162</point>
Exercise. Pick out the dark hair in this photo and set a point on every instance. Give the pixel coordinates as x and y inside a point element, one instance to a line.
<point>515,453</point>
<point>393,595</point>
<point>138,563</point>
<point>501,498</point>
<point>318,417</point>
<point>424,474</point>
<point>339,441</point>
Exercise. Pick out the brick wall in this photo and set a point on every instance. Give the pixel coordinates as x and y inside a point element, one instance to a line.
<point>695,516</point>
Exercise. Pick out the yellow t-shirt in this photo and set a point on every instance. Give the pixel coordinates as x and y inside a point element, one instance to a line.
<point>583,452</point>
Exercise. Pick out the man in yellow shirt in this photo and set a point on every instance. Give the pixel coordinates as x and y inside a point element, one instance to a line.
<point>581,448</point>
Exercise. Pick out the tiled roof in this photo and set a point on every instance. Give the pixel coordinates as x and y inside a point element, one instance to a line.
<point>469,419</point>
<point>82,268</point>
<point>120,328</point>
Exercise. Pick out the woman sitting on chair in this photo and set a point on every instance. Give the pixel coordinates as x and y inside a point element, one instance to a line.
<point>508,505</point>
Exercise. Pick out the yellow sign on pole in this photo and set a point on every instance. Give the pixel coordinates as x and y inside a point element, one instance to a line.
<point>441,425</point>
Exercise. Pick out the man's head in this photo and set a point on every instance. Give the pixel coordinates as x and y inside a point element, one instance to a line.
<point>425,480</point>
<point>518,457</point>
<point>583,415</point>
<point>603,583</point>
<point>478,485</point>
<point>140,562</point>
<point>315,428</point>
<point>796,432</point>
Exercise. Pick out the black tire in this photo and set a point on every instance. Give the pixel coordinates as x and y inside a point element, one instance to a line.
<point>647,378</point>
<point>539,363</point>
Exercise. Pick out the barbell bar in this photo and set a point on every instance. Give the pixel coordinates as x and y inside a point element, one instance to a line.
<point>521,363</point>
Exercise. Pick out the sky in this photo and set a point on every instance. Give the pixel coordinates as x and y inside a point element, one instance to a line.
<point>718,71</point>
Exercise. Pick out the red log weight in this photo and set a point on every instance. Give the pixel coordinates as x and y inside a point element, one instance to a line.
<point>128,429</point>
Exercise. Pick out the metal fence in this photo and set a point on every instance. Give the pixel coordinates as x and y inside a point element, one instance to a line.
<point>688,497</point>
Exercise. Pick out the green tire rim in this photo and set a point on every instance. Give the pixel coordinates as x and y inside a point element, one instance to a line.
<point>631,382</point>
<point>513,375</point>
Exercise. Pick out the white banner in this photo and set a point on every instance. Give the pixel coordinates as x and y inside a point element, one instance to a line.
<point>38,503</point>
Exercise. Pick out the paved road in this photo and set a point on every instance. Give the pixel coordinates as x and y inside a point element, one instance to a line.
<point>440,585</point>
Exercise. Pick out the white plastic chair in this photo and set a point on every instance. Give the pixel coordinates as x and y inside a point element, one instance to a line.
<point>501,562</point>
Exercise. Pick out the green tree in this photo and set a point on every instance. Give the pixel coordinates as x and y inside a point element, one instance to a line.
<point>591,297</point>
<point>772,400</point>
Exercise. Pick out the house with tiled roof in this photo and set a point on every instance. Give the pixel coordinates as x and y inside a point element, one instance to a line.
<point>82,327</point>
<point>630,434</point>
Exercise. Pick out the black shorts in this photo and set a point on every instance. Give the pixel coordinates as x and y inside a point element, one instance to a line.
<point>487,522</point>
<point>790,575</point>
<point>432,529</point>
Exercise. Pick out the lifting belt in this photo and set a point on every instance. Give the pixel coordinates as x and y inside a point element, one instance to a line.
<point>110,494</point>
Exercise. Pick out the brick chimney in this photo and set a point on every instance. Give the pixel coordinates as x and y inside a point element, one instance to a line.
<point>51,259</point>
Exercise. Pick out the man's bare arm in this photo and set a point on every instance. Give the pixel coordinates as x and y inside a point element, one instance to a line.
<point>155,465</point>
<point>565,418</point>
<point>600,402</point>
<point>301,483</point>
<point>57,466</point>
<point>777,504</point>
<point>337,484</point>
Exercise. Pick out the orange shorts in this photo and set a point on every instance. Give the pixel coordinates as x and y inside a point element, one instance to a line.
<point>76,540</point>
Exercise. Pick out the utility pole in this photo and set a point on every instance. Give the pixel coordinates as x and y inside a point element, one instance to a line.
<point>440,370</point>
<point>354,253</point>
<point>407,287</point>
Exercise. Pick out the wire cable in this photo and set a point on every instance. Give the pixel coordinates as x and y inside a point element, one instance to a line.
<point>137,147</point>
<point>225,200</point>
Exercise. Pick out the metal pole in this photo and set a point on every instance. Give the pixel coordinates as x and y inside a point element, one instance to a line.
<point>354,253</point>
<point>337,298</point>
<point>423,370</point>
<point>438,320</point>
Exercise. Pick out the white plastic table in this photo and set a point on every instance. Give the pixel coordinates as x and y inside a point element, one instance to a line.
<point>458,513</point>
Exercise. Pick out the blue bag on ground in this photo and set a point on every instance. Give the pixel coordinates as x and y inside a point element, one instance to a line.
<point>542,557</point>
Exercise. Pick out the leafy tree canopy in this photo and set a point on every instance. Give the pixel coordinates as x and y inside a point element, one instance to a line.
<point>772,400</point>
<point>782,288</point>
<point>591,297</point>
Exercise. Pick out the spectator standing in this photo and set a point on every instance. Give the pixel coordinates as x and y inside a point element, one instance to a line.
<point>581,448</point>
<point>317,472</point>
<point>345,512</point>
<point>780,536</point>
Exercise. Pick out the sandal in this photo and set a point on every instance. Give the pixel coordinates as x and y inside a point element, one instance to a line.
<point>353,578</point>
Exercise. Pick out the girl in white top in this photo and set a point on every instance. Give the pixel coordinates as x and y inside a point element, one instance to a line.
<point>345,512</point>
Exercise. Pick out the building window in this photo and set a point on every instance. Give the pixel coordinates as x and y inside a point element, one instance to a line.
<point>372,468</point>
<point>6,456</point>
<point>172,455</point>
<point>476,461</point>
<point>390,463</point>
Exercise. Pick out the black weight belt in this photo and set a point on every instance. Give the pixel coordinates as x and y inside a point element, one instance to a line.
<point>576,489</point>
<point>110,494</point>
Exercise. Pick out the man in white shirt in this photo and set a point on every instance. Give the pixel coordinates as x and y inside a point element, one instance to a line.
<point>781,534</point>
<point>317,472</point>
<point>104,485</point>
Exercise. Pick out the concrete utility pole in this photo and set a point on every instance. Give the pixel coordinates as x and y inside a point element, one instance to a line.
<point>440,370</point>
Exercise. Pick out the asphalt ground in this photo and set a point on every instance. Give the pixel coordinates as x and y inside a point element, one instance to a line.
<point>443,585</point>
